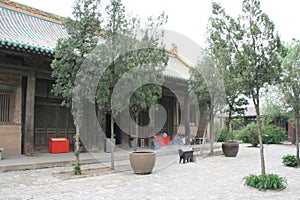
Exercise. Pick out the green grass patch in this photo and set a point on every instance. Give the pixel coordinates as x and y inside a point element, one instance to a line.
<point>266,182</point>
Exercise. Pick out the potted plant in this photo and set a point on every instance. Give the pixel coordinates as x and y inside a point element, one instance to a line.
<point>230,148</point>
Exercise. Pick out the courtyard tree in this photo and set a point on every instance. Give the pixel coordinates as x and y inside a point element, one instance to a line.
<point>206,82</point>
<point>290,86</point>
<point>106,54</point>
<point>70,53</point>
<point>200,88</point>
<point>274,106</point>
<point>256,49</point>
<point>222,48</point>
<point>135,48</point>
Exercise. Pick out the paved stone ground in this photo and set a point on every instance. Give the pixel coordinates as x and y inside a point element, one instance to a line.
<point>214,177</point>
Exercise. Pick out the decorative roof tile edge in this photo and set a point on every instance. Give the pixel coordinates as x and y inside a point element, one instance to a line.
<point>48,50</point>
<point>31,11</point>
<point>26,46</point>
<point>175,77</point>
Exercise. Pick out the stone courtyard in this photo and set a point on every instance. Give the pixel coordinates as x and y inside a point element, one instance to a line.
<point>210,177</point>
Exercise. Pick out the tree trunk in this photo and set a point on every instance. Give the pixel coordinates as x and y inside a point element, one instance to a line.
<point>212,132</point>
<point>261,147</point>
<point>228,126</point>
<point>77,145</point>
<point>296,114</point>
<point>136,131</point>
<point>294,135</point>
<point>112,141</point>
<point>203,121</point>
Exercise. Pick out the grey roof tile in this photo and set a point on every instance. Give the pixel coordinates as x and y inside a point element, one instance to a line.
<point>31,32</point>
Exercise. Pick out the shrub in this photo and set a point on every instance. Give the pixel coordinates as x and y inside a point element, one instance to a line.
<point>221,135</point>
<point>289,160</point>
<point>77,169</point>
<point>249,134</point>
<point>273,134</point>
<point>265,182</point>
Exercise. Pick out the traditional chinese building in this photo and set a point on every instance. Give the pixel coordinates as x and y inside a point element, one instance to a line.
<point>29,113</point>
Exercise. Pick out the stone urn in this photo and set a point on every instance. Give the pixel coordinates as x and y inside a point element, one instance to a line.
<point>142,162</point>
<point>230,149</point>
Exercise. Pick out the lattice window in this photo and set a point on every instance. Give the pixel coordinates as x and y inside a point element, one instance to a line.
<point>5,107</point>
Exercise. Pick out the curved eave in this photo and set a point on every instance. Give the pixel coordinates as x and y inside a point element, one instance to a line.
<point>26,46</point>
<point>16,45</point>
<point>175,77</point>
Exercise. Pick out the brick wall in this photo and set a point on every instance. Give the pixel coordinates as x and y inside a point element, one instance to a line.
<point>291,131</point>
<point>10,133</point>
<point>10,139</point>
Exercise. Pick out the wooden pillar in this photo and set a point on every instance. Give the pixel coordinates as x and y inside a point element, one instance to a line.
<point>176,116</point>
<point>29,116</point>
<point>187,119</point>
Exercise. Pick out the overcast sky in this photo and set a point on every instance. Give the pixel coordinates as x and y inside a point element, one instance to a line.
<point>190,17</point>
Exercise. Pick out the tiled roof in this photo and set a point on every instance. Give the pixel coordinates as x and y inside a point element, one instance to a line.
<point>21,29</point>
<point>31,11</point>
<point>177,69</point>
<point>29,29</point>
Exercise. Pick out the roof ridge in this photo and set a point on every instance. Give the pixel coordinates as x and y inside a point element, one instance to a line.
<point>179,58</point>
<point>31,11</point>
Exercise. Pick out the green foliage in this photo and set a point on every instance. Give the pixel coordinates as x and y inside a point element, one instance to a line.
<point>250,47</point>
<point>221,135</point>
<point>289,160</point>
<point>120,32</point>
<point>233,135</point>
<point>143,58</point>
<point>207,84</point>
<point>70,52</point>
<point>96,58</point>
<point>77,169</point>
<point>200,87</point>
<point>290,86</point>
<point>266,182</point>
<point>273,106</point>
<point>273,134</point>
<point>249,134</point>
<point>237,123</point>
<point>222,48</point>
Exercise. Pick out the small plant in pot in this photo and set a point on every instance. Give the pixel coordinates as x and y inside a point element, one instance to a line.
<point>236,105</point>
<point>230,147</point>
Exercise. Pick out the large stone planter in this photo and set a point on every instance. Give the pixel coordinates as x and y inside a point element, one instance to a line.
<point>230,149</point>
<point>142,162</point>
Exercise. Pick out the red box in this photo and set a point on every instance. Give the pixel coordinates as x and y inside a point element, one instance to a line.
<point>58,145</point>
<point>163,141</point>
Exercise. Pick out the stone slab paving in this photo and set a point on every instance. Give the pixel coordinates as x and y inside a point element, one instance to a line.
<point>214,177</point>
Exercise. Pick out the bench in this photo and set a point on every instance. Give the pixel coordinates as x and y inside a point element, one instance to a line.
<point>186,156</point>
